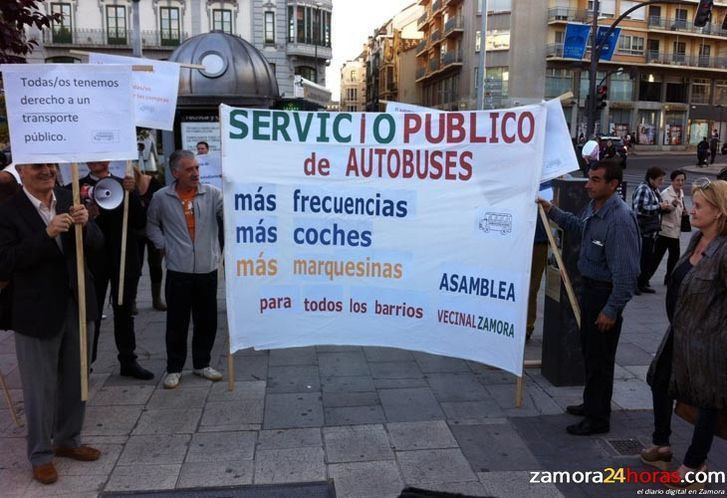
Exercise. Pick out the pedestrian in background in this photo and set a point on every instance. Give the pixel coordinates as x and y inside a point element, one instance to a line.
<point>648,205</point>
<point>146,186</point>
<point>671,224</point>
<point>690,363</point>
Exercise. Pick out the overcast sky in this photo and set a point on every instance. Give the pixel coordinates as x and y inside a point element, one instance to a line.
<point>353,22</point>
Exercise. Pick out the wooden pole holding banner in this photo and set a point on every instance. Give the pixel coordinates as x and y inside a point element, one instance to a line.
<point>80,273</point>
<point>124,235</point>
<point>11,406</point>
<point>230,363</point>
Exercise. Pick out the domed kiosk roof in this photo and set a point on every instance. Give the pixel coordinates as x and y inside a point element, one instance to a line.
<point>234,73</point>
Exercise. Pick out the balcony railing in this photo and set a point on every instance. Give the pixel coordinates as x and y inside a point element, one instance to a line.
<point>421,46</point>
<point>652,57</point>
<point>421,72</point>
<point>680,59</point>
<point>454,24</point>
<point>422,21</point>
<point>115,38</point>
<point>566,14</point>
<point>436,6</point>
<point>436,37</point>
<point>684,26</point>
<point>451,58</point>
<point>433,65</point>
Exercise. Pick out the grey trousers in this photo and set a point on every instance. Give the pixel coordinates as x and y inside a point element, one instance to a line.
<point>50,373</point>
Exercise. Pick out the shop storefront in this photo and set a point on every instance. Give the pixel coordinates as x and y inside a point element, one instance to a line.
<point>647,127</point>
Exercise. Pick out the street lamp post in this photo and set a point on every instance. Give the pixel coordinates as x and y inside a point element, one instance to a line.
<point>136,33</point>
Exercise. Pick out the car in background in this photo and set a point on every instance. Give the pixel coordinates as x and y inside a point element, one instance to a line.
<point>618,144</point>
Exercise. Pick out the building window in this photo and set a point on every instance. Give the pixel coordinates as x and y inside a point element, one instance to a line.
<point>62,30</point>
<point>650,87</point>
<point>291,24</point>
<point>222,20</point>
<point>270,27</point>
<point>680,22</point>
<point>680,52</point>
<point>478,41</point>
<point>631,45</point>
<point>638,14</point>
<point>621,87</point>
<point>558,82</point>
<point>306,72</point>
<point>353,75</point>
<point>704,54</point>
<point>606,8</point>
<point>720,92</point>
<point>169,26</point>
<point>676,91</point>
<point>116,24</point>
<point>701,93</point>
<point>312,26</point>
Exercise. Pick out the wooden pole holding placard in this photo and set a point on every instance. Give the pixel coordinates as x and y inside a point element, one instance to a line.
<point>561,268</point>
<point>230,363</point>
<point>124,235</point>
<point>80,273</point>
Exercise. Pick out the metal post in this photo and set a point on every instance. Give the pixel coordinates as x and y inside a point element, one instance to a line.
<point>592,73</point>
<point>482,77</point>
<point>136,31</point>
<point>317,37</point>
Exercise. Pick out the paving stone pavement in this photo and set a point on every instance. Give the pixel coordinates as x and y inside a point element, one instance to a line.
<point>372,419</point>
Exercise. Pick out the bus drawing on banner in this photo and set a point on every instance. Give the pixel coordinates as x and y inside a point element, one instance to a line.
<point>496,222</point>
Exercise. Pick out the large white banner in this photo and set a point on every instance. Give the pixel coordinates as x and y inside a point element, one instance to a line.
<point>155,92</point>
<point>559,156</point>
<point>69,112</point>
<point>404,230</point>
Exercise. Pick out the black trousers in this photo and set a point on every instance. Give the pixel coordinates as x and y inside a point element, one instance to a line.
<point>599,352</point>
<point>154,260</point>
<point>662,245</point>
<point>124,334</point>
<point>663,403</point>
<point>194,293</point>
<point>648,243</point>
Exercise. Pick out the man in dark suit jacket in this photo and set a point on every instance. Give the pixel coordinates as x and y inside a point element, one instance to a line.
<point>37,254</point>
<point>105,268</point>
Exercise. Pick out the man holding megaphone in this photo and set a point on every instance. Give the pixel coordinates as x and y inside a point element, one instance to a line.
<point>104,194</point>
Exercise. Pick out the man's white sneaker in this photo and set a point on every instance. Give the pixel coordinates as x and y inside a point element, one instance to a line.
<point>171,380</point>
<point>208,373</point>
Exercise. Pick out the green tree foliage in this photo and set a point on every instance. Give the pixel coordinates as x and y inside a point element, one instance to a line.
<point>15,15</point>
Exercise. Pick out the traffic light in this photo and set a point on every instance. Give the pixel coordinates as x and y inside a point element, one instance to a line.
<point>602,96</point>
<point>704,13</point>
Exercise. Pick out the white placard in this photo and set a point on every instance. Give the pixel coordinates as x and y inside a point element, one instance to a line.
<point>69,112</point>
<point>559,155</point>
<point>210,169</point>
<point>155,92</point>
<point>381,229</point>
<point>200,131</point>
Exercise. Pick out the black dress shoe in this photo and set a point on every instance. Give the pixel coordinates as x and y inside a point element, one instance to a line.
<point>576,410</point>
<point>585,428</point>
<point>647,290</point>
<point>135,370</point>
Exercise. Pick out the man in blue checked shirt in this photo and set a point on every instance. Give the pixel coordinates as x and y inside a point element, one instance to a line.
<point>609,265</point>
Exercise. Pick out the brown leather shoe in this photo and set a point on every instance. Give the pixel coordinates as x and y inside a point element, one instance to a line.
<point>45,473</point>
<point>659,459</point>
<point>82,453</point>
